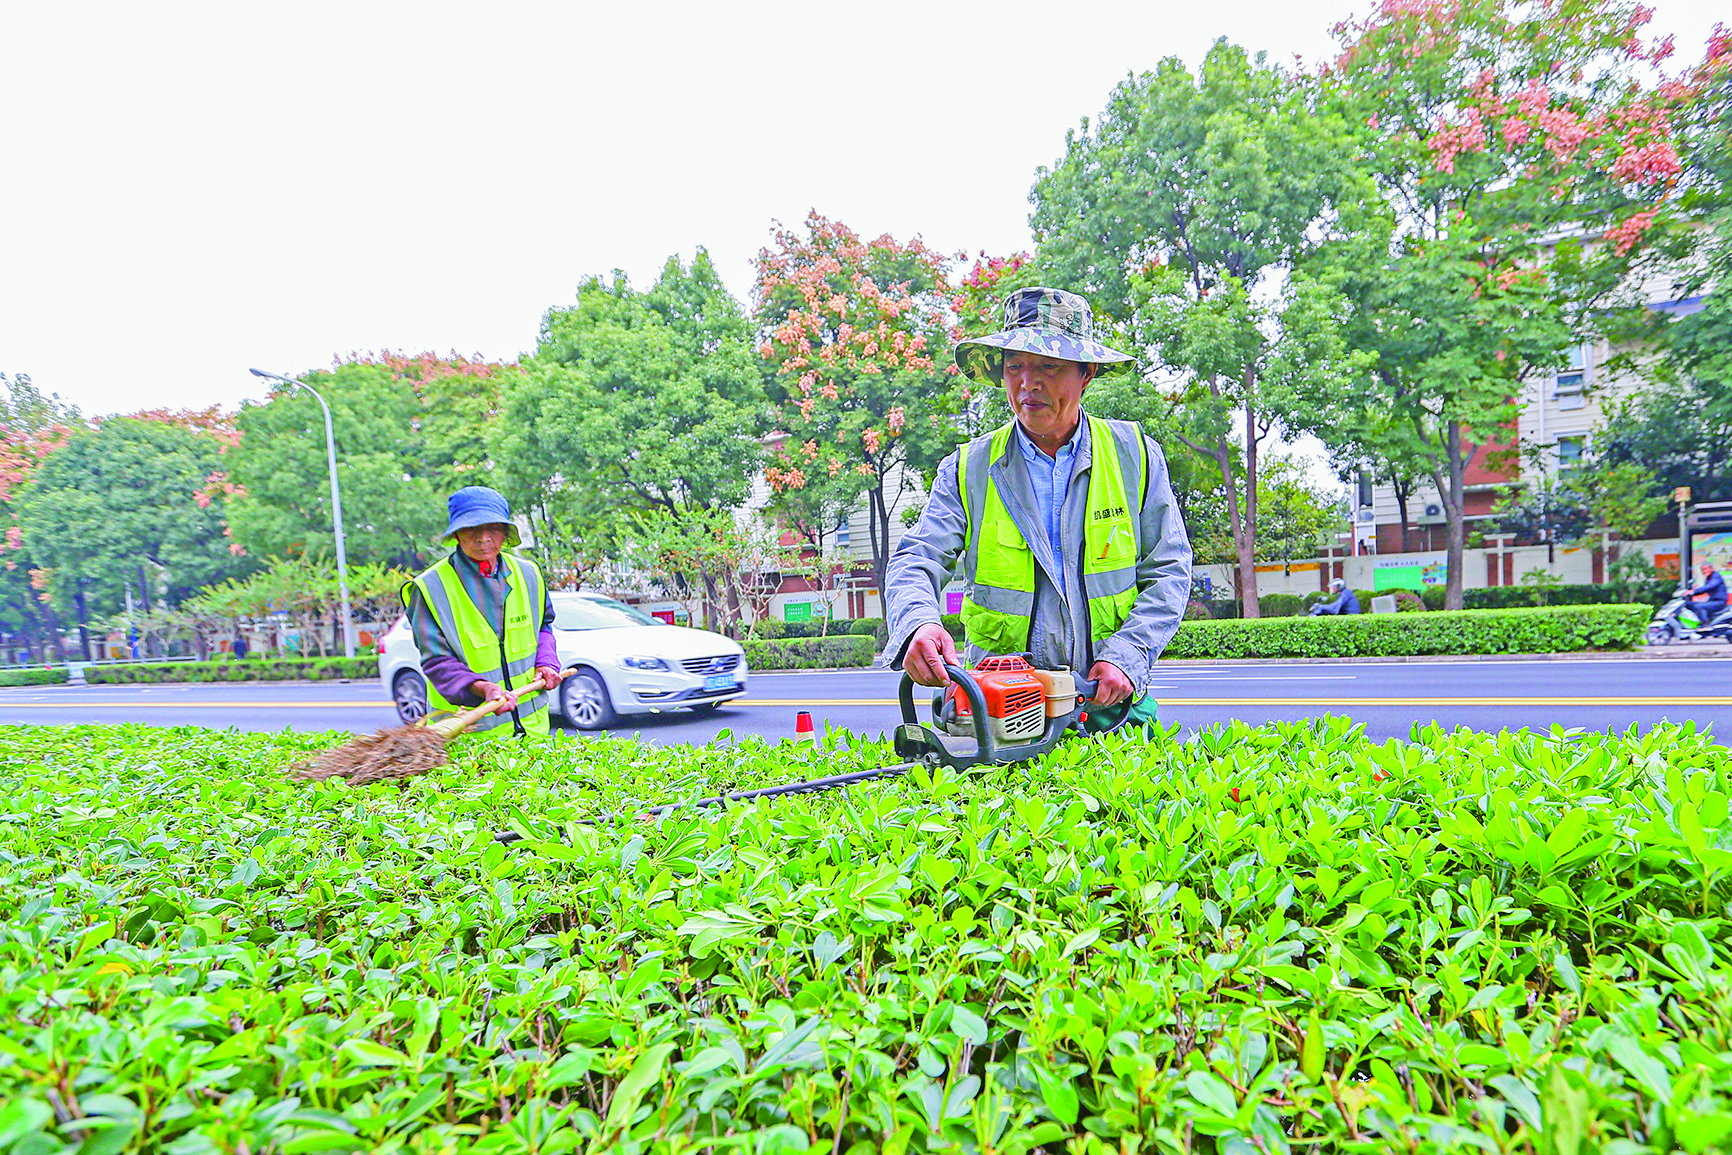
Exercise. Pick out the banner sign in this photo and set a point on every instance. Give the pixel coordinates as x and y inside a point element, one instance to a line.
<point>1410,573</point>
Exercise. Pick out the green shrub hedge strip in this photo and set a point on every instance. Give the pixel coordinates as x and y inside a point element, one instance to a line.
<point>809,653</point>
<point>34,677</point>
<point>1554,629</point>
<point>271,670</point>
<point>1274,939</point>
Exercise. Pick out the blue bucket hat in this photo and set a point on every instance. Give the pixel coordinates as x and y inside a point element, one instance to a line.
<point>1039,320</point>
<point>475,505</point>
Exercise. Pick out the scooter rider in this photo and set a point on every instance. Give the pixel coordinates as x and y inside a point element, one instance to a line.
<point>1346,601</point>
<point>1708,599</point>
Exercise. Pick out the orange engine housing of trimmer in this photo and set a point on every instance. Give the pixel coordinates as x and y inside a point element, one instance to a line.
<point>1015,701</point>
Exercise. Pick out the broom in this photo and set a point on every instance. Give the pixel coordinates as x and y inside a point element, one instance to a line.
<point>397,753</point>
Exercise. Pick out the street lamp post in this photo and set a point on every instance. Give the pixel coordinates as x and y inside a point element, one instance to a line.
<point>336,507</point>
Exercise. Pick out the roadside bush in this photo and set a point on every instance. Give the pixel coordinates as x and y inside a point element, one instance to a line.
<point>1406,602</point>
<point>869,627</point>
<point>1437,945</point>
<point>1554,629</point>
<point>1648,593</point>
<point>813,629</point>
<point>837,650</point>
<point>1281,605</point>
<point>36,676</point>
<point>771,628</point>
<point>249,670</point>
<point>1197,611</point>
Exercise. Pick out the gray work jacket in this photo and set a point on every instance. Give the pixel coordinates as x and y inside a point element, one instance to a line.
<point>925,557</point>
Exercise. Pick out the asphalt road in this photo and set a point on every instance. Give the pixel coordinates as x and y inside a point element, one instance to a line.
<point>1388,698</point>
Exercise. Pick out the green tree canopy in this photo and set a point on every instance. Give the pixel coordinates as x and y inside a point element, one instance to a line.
<point>633,402</point>
<point>392,511</point>
<point>1182,212</point>
<point>126,503</point>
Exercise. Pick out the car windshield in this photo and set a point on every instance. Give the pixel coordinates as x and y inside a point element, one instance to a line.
<point>597,614</point>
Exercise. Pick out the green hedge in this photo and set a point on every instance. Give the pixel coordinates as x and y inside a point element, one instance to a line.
<point>280,670</point>
<point>1651,593</point>
<point>1280,939</point>
<point>34,677</point>
<point>809,653</point>
<point>1554,629</point>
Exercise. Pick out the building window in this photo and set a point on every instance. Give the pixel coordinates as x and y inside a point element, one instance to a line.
<point>1570,452</point>
<point>1364,488</point>
<point>1572,379</point>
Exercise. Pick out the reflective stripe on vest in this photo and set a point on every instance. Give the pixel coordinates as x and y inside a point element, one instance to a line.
<point>998,565</point>
<point>477,639</point>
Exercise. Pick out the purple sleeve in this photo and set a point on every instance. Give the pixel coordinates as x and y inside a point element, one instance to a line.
<point>546,649</point>
<point>451,678</point>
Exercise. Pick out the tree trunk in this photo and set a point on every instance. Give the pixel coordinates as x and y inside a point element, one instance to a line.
<point>83,628</point>
<point>1401,506</point>
<point>1454,505</point>
<point>878,534</point>
<point>1247,561</point>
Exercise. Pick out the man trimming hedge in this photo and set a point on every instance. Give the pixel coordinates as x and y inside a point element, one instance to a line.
<point>1071,544</point>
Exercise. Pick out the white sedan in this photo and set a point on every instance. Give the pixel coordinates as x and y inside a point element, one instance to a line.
<point>627,663</point>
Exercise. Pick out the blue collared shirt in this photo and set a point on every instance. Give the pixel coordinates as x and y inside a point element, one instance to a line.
<point>1051,477</point>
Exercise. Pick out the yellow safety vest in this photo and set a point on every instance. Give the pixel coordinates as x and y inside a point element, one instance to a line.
<point>461,621</point>
<point>998,565</point>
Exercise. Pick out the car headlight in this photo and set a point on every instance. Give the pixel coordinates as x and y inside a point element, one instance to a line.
<point>638,663</point>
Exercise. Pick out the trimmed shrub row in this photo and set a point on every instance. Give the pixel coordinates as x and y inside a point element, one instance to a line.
<point>279,670</point>
<point>34,677</point>
<point>809,653</point>
<point>1553,629</point>
<point>1650,593</point>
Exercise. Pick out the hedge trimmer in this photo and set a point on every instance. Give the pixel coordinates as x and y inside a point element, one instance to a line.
<point>1002,712</point>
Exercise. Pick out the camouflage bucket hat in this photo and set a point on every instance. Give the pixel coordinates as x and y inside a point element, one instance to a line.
<point>1037,320</point>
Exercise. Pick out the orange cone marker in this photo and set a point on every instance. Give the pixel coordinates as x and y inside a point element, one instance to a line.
<point>803,727</point>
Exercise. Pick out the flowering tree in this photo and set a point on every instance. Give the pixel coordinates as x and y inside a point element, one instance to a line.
<point>857,333</point>
<point>32,426</point>
<point>1526,157</point>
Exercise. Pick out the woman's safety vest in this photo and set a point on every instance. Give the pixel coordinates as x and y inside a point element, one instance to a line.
<point>999,565</point>
<point>510,660</point>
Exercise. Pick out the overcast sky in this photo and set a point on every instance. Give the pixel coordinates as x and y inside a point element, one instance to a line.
<point>193,189</point>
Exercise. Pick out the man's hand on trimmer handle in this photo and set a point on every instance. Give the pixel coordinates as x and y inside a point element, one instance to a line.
<point>928,651</point>
<point>1111,685</point>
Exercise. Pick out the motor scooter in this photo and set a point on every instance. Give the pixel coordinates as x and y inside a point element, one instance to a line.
<point>1679,620</point>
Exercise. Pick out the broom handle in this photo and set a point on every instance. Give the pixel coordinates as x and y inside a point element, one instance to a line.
<point>473,715</point>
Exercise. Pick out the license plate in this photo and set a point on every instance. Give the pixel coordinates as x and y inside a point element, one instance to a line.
<point>719,682</point>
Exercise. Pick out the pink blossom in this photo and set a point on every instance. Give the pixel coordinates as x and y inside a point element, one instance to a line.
<point>237,549</point>
<point>835,466</point>
<point>14,537</point>
<point>895,419</point>
<point>1650,164</point>
<point>1626,236</point>
<point>872,439</point>
<point>1534,98</point>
